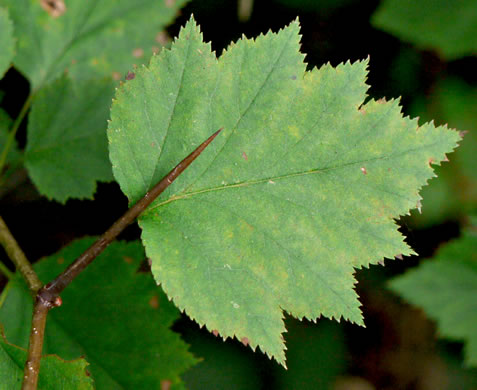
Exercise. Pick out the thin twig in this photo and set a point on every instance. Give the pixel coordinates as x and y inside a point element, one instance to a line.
<point>52,290</point>
<point>37,334</point>
<point>4,270</point>
<point>15,253</point>
<point>48,296</point>
<point>13,131</point>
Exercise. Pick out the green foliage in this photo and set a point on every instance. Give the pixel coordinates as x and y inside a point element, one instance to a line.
<point>7,43</point>
<point>56,374</point>
<point>85,37</point>
<point>446,287</point>
<point>67,149</point>
<point>119,321</point>
<point>445,26</point>
<point>300,188</point>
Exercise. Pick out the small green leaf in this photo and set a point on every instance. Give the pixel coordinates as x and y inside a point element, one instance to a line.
<point>86,37</point>
<point>446,288</point>
<point>55,373</point>
<point>448,27</point>
<point>301,187</point>
<point>7,42</point>
<point>66,152</point>
<point>118,320</point>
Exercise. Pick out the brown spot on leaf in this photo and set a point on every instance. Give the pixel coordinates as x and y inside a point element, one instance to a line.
<point>154,302</point>
<point>445,158</point>
<point>215,332</point>
<point>55,8</point>
<point>138,52</point>
<point>293,77</point>
<point>363,169</point>
<point>166,384</point>
<point>128,259</point>
<point>130,75</point>
<point>431,161</point>
<point>73,61</point>
<point>381,101</point>
<point>170,3</point>
<point>244,341</point>
<point>60,260</point>
<point>116,76</point>
<point>155,50</point>
<point>399,257</point>
<point>244,155</point>
<point>362,111</point>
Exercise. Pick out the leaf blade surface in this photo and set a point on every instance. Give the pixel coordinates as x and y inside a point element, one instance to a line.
<point>300,188</point>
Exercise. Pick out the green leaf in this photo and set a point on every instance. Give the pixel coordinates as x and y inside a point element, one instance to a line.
<point>7,42</point>
<point>55,373</point>
<point>448,27</point>
<point>446,288</point>
<point>66,152</point>
<point>86,37</point>
<point>301,186</point>
<point>118,320</point>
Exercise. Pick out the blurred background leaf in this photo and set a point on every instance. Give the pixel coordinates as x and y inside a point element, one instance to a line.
<point>67,149</point>
<point>7,42</point>
<point>448,27</point>
<point>87,38</point>
<point>446,288</point>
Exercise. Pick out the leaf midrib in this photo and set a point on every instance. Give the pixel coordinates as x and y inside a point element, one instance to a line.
<point>283,177</point>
